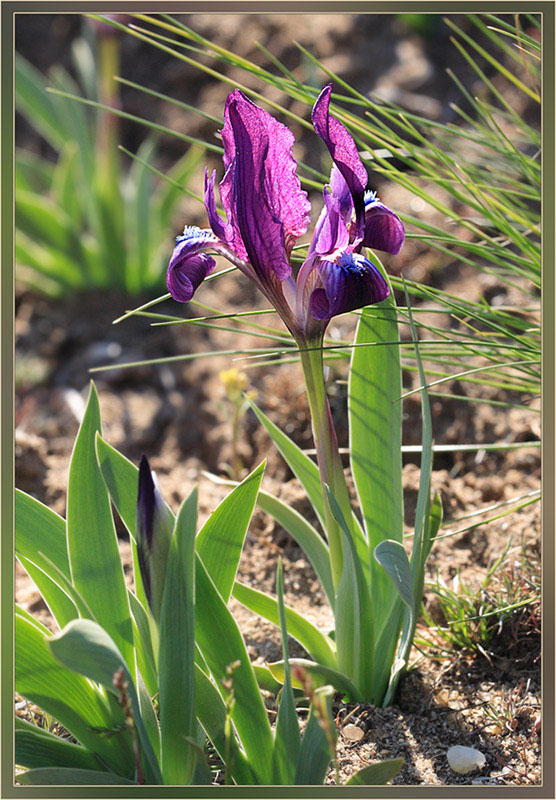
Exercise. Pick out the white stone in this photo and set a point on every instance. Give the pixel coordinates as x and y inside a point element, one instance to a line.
<point>465,759</point>
<point>353,732</point>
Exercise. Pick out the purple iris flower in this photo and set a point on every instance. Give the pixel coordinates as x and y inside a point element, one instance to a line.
<point>267,212</point>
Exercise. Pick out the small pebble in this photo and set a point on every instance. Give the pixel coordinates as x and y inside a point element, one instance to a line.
<point>465,759</point>
<point>353,733</point>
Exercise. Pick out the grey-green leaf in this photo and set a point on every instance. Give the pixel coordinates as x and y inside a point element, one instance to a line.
<point>83,646</point>
<point>375,435</point>
<point>376,774</point>
<point>393,558</point>
<point>287,739</point>
<point>68,697</point>
<point>36,747</point>
<point>53,776</point>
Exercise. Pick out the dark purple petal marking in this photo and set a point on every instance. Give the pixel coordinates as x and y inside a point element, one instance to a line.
<point>350,281</point>
<point>189,266</point>
<point>384,230</point>
<point>344,152</point>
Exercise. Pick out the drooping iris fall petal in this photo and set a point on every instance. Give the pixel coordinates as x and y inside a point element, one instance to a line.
<point>350,281</point>
<point>384,230</point>
<point>189,266</point>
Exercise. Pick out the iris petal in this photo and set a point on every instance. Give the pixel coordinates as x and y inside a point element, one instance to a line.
<point>350,281</point>
<point>218,227</point>
<point>343,150</point>
<point>384,230</point>
<point>330,233</point>
<point>261,192</point>
<point>189,266</point>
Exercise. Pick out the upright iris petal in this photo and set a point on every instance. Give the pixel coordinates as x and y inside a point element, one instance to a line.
<point>343,150</point>
<point>261,194</point>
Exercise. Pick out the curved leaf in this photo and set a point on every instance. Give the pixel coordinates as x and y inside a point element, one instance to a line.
<point>69,698</point>
<point>86,648</point>
<point>220,540</point>
<point>177,651</point>
<point>375,438</point>
<point>376,774</point>
<point>317,644</point>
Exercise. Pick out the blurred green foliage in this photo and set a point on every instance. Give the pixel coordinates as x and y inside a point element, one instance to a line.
<point>84,221</point>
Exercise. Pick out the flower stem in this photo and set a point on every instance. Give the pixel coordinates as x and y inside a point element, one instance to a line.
<point>328,456</point>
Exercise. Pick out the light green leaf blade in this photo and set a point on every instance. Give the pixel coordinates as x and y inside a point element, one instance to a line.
<point>177,651</point>
<point>393,559</point>
<point>120,477</point>
<point>435,521</point>
<point>96,566</point>
<point>376,774</point>
<point>141,224</point>
<point>65,186</point>
<point>317,644</point>
<point>68,697</point>
<point>307,472</point>
<point>221,644</point>
<point>322,676</point>
<point>375,434</point>
<point>38,529</point>
<point>36,747</point>
<point>168,194</point>
<point>314,754</point>
<point>144,653</point>
<point>287,739</point>
<point>61,606</point>
<point>52,776</point>
<point>38,107</point>
<point>354,616</point>
<point>211,713</point>
<point>148,713</point>
<point>84,647</point>
<point>220,540</point>
<point>32,173</point>
<point>307,537</point>
<point>40,218</point>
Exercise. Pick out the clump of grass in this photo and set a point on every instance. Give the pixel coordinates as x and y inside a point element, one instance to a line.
<point>499,617</point>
